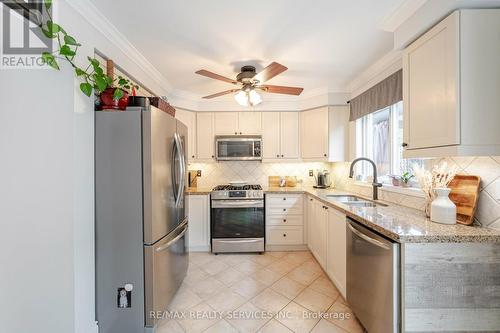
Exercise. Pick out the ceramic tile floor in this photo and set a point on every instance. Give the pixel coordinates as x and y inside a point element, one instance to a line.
<point>273,292</point>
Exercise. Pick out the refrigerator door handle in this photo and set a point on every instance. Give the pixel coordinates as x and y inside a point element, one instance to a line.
<point>166,246</point>
<point>183,173</point>
<point>178,188</point>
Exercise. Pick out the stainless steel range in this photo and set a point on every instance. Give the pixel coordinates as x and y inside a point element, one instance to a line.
<point>237,221</point>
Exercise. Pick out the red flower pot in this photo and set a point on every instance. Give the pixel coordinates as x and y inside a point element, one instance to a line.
<point>108,103</point>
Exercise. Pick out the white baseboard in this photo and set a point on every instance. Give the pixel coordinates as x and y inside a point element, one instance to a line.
<point>199,248</point>
<point>301,247</point>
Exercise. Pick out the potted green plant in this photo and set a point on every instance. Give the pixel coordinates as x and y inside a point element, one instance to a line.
<point>405,178</point>
<point>113,93</point>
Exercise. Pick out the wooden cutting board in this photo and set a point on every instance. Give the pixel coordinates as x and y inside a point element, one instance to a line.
<point>465,193</point>
<point>290,181</point>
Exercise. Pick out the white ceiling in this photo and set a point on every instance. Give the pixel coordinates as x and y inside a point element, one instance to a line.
<point>324,43</point>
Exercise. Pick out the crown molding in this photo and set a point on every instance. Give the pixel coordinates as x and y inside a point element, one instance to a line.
<point>385,66</point>
<point>95,18</point>
<point>402,13</point>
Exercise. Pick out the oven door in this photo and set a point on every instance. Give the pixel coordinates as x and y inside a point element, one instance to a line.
<point>238,148</point>
<point>238,219</point>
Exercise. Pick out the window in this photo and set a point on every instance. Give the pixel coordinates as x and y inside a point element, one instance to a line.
<point>379,136</point>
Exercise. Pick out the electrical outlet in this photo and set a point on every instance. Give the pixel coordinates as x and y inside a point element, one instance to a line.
<point>198,173</point>
<point>311,173</point>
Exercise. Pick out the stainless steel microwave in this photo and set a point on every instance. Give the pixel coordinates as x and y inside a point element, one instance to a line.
<point>238,147</point>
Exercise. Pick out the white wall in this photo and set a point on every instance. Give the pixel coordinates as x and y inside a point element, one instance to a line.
<point>47,184</point>
<point>36,192</point>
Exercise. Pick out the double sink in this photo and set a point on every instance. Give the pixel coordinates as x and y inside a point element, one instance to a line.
<point>352,200</point>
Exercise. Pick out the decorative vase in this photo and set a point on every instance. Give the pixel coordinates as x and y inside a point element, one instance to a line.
<point>108,103</point>
<point>443,210</point>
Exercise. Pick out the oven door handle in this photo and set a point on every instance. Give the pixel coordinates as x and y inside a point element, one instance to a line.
<point>236,240</point>
<point>237,203</point>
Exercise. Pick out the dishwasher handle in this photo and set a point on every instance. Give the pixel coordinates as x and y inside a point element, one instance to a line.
<point>368,238</point>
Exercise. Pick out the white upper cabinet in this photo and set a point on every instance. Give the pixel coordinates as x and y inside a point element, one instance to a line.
<point>280,135</point>
<point>289,139</point>
<point>250,123</point>
<point>450,87</point>
<point>188,118</point>
<point>324,134</point>
<point>271,135</point>
<point>314,134</point>
<point>226,123</point>
<point>238,123</point>
<point>205,136</point>
<point>431,109</point>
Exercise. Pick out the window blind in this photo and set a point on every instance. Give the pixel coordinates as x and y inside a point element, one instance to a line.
<point>387,92</point>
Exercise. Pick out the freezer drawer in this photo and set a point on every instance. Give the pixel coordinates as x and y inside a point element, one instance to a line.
<point>373,279</point>
<point>165,266</point>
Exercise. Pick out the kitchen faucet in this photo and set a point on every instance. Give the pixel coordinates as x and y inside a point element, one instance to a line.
<point>375,184</point>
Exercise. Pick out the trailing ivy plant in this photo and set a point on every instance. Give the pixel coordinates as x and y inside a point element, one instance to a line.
<point>92,75</point>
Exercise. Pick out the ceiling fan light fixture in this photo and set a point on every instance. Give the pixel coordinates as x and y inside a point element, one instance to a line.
<point>241,98</point>
<point>254,98</point>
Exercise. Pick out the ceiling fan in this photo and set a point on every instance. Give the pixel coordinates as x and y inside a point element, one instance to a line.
<point>251,81</point>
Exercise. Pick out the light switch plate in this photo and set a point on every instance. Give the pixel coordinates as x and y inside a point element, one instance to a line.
<point>311,174</point>
<point>198,173</point>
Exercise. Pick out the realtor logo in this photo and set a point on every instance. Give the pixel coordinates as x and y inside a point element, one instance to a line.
<point>22,39</point>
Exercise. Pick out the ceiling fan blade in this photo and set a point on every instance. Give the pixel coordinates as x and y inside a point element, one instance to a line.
<point>212,75</point>
<point>269,72</point>
<point>281,89</point>
<point>221,93</point>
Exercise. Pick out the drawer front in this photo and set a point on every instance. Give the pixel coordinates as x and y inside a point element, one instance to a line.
<point>285,200</point>
<point>285,220</point>
<point>283,211</point>
<point>284,235</point>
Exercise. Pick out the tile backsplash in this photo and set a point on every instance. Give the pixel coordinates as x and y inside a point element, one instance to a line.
<point>487,167</point>
<point>213,174</point>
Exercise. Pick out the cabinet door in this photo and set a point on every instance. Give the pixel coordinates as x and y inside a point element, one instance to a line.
<point>430,87</point>
<point>199,222</point>
<point>249,122</point>
<point>204,136</point>
<point>321,235</point>
<point>289,139</point>
<point>314,134</point>
<point>271,135</point>
<point>310,223</point>
<point>226,123</point>
<point>189,119</point>
<point>336,250</point>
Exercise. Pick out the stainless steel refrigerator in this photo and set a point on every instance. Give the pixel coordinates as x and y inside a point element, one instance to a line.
<point>141,223</point>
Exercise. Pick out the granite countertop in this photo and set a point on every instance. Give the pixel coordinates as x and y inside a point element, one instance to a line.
<point>399,223</point>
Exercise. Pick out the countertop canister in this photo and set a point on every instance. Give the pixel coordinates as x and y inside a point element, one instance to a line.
<point>443,210</point>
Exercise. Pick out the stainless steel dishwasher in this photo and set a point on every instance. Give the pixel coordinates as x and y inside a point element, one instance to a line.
<point>373,279</point>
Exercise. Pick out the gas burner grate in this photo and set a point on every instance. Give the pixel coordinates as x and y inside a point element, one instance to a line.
<point>237,188</point>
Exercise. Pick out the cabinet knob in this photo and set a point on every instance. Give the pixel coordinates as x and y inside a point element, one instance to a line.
<point>404,144</point>
<point>284,198</point>
<point>213,156</point>
<point>284,220</point>
<point>235,133</point>
<point>240,133</point>
<point>192,156</point>
<point>310,199</point>
<point>284,235</point>
<point>324,155</point>
<point>278,155</point>
<point>284,209</point>
<point>282,156</point>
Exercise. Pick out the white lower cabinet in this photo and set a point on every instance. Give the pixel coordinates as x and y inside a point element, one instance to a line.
<point>326,229</point>
<point>199,222</point>
<point>284,219</point>
<point>336,249</point>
